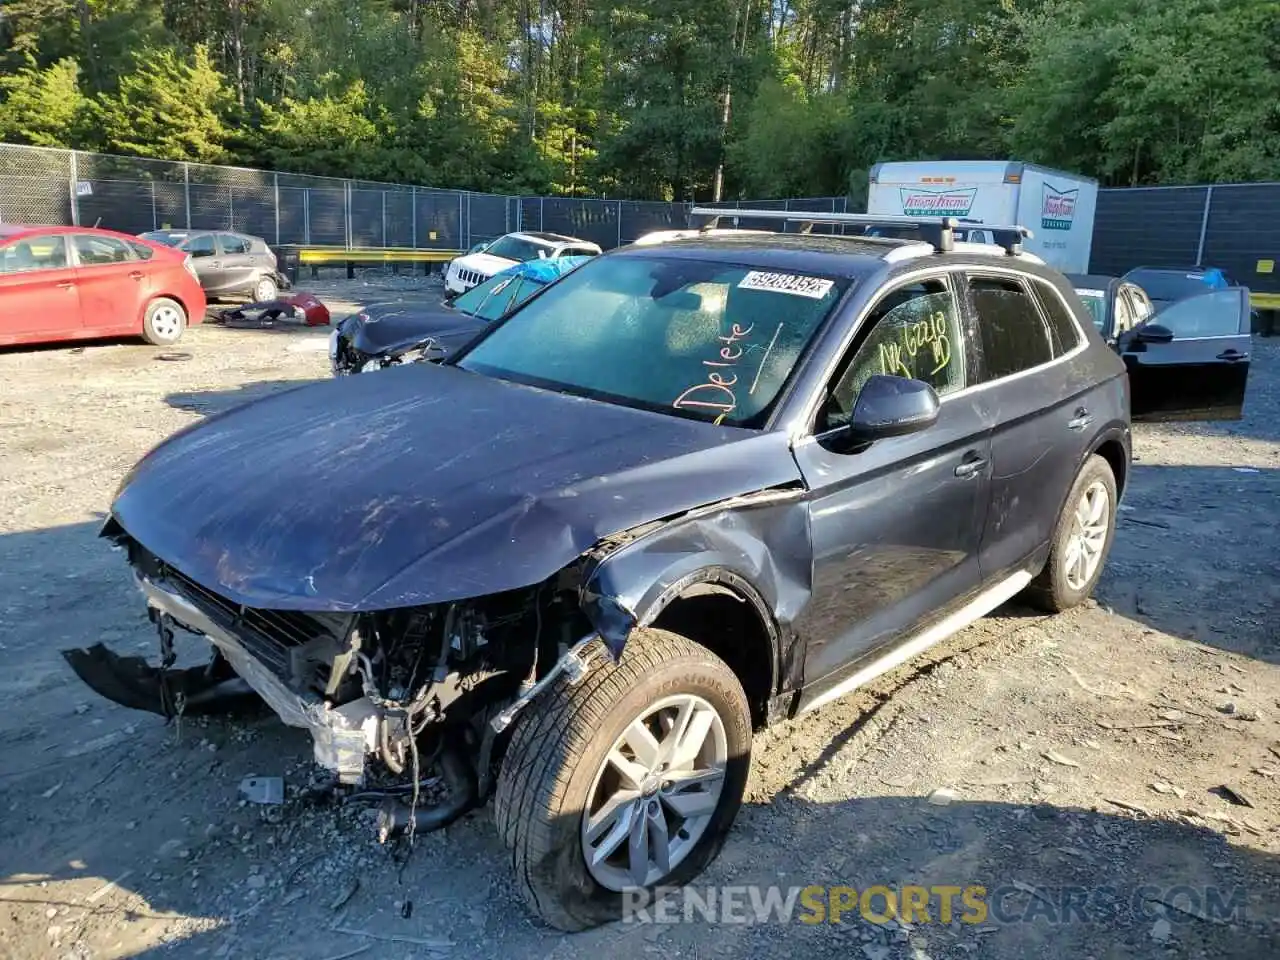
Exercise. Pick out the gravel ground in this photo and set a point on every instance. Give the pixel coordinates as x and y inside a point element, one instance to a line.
<point>1073,760</point>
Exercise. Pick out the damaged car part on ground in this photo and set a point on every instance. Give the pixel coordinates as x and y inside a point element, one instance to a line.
<point>683,492</point>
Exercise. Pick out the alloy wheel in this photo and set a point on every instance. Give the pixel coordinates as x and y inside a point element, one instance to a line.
<point>1088,537</point>
<point>655,794</point>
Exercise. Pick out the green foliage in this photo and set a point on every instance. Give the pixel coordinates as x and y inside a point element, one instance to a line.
<point>169,107</point>
<point>45,108</point>
<point>653,98</point>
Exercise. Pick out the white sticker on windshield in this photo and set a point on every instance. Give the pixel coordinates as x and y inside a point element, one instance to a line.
<point>1091,293</point>
<point>813,287</point>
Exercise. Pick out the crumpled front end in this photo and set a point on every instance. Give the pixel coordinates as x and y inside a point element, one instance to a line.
<point>390,688</point>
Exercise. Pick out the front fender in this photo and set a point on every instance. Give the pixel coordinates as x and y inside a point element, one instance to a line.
<point>757,545</point>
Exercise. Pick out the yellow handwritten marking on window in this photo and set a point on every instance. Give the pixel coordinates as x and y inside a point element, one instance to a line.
<point>913,338</point>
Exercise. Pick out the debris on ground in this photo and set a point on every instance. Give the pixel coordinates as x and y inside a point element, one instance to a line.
<point>1232,794</point>
<point>263,790</point>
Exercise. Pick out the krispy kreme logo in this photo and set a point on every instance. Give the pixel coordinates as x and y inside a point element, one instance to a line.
<point>935,203</point>
<point>1058,207</point>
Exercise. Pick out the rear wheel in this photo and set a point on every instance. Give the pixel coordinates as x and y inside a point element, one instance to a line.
<point>626,781</point>
<point>164,322</point>
<point>1081,540</point>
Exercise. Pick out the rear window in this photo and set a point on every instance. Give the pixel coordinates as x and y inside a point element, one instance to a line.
<point>163,236</point>
<point>1168,285</point>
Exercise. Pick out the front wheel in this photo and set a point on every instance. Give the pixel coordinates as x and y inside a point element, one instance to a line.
<point>265,289</point>
<point>1081,540</point>
<point>627,781</point>
<point>164,322</point>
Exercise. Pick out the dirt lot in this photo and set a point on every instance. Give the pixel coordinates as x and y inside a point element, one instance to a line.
<point>1085,754</point>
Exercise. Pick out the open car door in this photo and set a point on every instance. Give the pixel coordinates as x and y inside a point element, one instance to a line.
<point>1190,361</point>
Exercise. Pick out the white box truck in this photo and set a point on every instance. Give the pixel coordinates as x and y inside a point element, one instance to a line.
<point>1057,206</point>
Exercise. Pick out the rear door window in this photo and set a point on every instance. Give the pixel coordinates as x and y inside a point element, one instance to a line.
<point>96,251</point>
<point>202,246</point>
<point>233,245</point>
<point>1013,333</point>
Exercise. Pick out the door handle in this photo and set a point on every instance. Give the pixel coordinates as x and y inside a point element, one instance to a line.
<point>65,284</point>
<point>136,274</point>
<point>971,466</point>
<point>1080,420</point>
<point>1233,356</point>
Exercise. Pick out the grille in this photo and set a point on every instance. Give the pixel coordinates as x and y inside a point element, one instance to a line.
<point>471,277</point>
<point>269,635</point>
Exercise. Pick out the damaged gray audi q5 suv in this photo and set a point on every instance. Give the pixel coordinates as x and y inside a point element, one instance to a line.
<point>685,491</point>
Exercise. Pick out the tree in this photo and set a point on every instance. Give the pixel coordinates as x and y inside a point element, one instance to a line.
<point>320,134</point>
<point>169,107</point>
<point>45,108</point>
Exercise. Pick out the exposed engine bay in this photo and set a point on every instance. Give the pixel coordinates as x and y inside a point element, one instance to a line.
<point>390,693</point>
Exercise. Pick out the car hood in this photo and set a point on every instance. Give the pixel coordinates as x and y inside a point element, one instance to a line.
<point>485,263</point>
<point>421,484</point>
<point>391,328</point>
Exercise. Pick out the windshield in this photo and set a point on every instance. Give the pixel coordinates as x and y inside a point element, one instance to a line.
<point>168,239</point>
<point>496,296</point>
<point>517,248</point>
<point>1168,285</point>
<point>706,340</point>
<point>1096,301</point>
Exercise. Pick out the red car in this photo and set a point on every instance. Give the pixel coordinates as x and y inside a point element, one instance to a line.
<point>74,283</point>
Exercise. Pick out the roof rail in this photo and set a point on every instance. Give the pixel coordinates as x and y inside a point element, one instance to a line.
<point>938,231</point>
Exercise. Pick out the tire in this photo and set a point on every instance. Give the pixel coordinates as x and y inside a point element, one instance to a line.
<point>556,765</point>
<point>264,289</point>
<point>1066,581</point>
<point>164,322</point>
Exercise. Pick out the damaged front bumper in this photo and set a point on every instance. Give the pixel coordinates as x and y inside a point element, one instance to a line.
<point>342,735</point>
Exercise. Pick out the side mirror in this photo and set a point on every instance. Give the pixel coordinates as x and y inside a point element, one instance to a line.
<point>479,247</point>
<point>892,407</point>
<point>1153,333</point>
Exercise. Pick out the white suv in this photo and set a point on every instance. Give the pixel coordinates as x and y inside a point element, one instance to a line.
<point>484,260</point>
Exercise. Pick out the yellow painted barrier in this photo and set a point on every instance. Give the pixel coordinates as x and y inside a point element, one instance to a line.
<point>321,255</point>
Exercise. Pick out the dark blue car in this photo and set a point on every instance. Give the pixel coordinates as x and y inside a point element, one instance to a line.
<point>683,492</point>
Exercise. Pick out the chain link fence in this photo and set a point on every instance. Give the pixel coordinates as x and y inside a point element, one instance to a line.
<point>1232,226</point>
<point>48,186</point>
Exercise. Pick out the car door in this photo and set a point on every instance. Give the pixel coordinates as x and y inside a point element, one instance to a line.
<point>1190,361</point>
<point>894,524</point>
<point>237,263</point>
<point>207,262</point>
<point>38,292</point>
<point>1039,409</point>
<point>113,285</point>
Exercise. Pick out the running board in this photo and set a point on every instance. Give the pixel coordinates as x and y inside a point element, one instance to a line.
<point>971,612</point>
